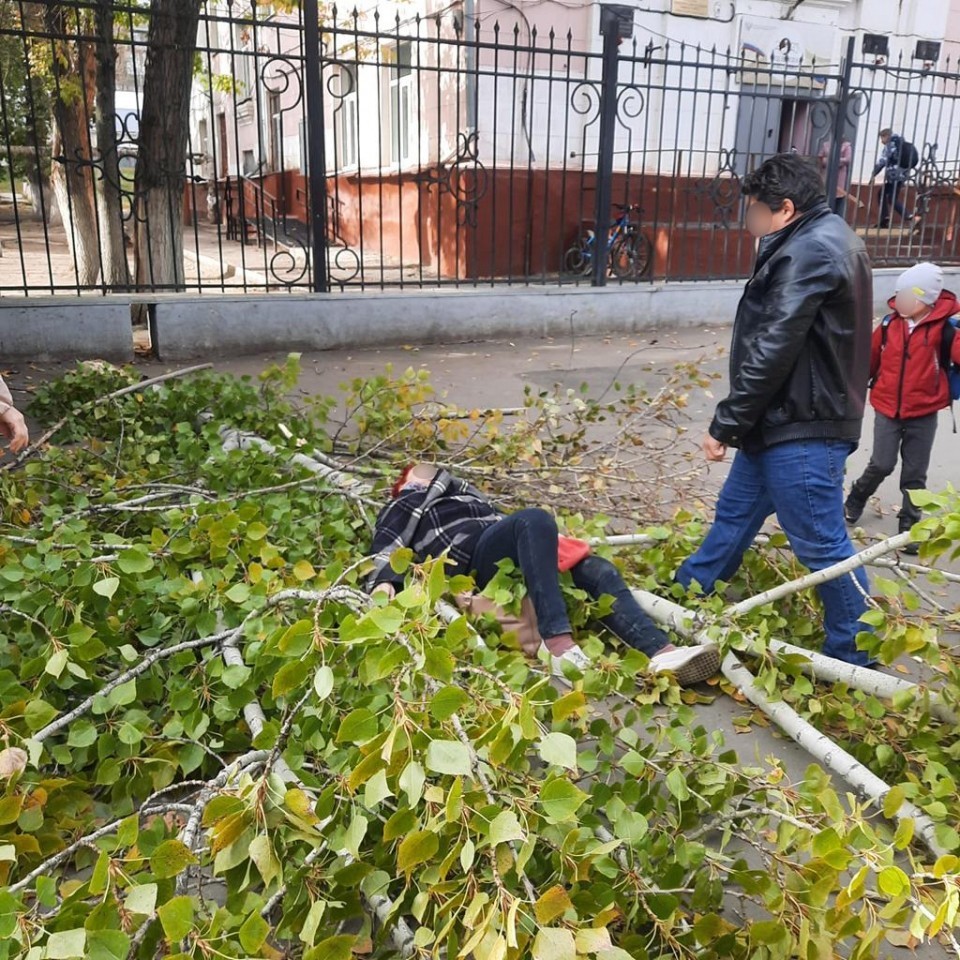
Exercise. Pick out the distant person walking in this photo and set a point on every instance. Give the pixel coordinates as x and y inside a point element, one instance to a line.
<point>910,358</point>
<point>839,202</point>
<point>896,160</point>
<point>799,363</point>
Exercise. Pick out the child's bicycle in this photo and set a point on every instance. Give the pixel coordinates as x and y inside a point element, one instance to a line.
<point>629,251</point>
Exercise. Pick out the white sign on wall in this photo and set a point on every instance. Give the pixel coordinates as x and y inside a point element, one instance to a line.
<point>781,43</point>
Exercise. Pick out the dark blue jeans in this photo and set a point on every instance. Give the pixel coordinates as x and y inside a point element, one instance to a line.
<point>529,539</point>
<point>802,482</point>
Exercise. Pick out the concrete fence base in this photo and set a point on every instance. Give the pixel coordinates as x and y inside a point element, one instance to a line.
<point>185,326</point>
<point>65,328</point>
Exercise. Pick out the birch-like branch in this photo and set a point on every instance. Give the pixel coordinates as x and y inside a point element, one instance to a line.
<point>818,745</point>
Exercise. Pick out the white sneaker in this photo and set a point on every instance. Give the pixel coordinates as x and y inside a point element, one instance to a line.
<point>688,664</point>
<point>575,657</point>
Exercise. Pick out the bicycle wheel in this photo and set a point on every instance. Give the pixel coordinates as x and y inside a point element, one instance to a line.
<point>578,260</point>
<point>631,256</point>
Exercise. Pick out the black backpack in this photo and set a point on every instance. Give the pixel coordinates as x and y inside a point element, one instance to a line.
<point>909,158</point>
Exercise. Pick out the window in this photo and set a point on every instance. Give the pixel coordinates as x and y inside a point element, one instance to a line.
<point>346,118</point>
<point>275,114</point>
<point>242,60</point>
<point>249,163</point>
<point>401,105</point>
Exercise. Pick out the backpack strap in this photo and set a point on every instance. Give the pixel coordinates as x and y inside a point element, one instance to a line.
<point>884,331</point>
<point>946,361</point>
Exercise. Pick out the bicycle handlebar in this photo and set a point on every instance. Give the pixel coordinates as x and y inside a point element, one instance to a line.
<point>628,207</point>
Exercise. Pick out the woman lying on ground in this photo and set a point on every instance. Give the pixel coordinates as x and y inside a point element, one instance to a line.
<point>434,514</point>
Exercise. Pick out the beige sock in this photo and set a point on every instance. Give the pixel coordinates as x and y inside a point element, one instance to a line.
<point>559,644</point>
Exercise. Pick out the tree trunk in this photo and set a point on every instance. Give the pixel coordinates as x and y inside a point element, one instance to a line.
<point>116,272</point>
<point>71,175</point>
<point>162,150</point>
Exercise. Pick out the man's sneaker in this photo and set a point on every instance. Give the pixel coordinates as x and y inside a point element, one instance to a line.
<point>575,657</point>
<point>911,549</point>
<point>851,512</point>
<point>688,664</point>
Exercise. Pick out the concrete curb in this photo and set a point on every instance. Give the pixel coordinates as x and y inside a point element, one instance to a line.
<point>66,328</point>
<point>184,326</point>
<point>232,326</point>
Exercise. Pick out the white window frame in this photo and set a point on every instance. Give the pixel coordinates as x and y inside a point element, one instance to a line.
<point>401,107</point>
<point>348,130</point>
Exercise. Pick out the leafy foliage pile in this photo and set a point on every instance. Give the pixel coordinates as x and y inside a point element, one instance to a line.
<point>214,745</point>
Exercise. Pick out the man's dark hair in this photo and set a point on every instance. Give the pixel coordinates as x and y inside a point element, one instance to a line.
<point>787,176</point>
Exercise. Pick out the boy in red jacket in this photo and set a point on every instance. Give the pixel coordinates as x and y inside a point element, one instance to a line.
<point>909,388</point>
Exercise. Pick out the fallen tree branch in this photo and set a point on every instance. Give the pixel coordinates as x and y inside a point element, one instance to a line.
<point>90,404</point>
<point>833,572</point>
<point>818,666</point>
<point>133,672</point>
<point>149,808</point>
<point>818,745</point>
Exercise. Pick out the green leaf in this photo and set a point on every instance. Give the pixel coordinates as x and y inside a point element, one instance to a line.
<point>449,757</point>
<point>289,677</point>
<point>38,714</point>
<point>107,588</point>
<point>339,947</point>
<point>56,663</point>
<point>66,944</point>
<point>9,912</point>
<point>416,849</point>
<point>892,801</point>
<point>134,561</point>
<point>560,799</point>
<point>238,593</point>
<point>353,835</point>
<point>559,749</point>
<point>171,858</point>
<point>142,899</point>
<point>323,682</point>
<point>123,695</point>
<point>107,945</point>
<point>262,854</point>
<point>303,570</point>
<point>554,943</point>
<point>376,790</point>
<point>82,734</point>
<point>176,917</point>
<point>358,726</point>
<point>447,701</point>
<point>893,882</point>
<point>505,827</point>
<point>677,784</point>
<point>254,932</point>
<point>387,619</point>
<point>411,782</point>
<point>308,932</point>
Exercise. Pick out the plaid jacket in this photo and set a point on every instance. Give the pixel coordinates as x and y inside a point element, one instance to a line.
<point>446,517</point>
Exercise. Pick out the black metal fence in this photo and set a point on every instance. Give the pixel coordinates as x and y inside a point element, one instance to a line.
<point>298,153</point>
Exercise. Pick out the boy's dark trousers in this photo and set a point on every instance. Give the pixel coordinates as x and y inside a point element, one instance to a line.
<point>912,441</point>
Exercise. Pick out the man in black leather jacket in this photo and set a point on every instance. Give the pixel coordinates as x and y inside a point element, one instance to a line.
<point>799,364</point>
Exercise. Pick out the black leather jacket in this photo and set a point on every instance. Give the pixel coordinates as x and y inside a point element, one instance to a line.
<point>800,356</point>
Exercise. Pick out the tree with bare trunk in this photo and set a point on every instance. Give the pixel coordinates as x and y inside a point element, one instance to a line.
<point>71,173</point>
<point>162,150</point>
<point>116,270</point>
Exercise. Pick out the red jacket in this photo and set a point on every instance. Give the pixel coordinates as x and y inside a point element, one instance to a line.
<point>905,368</point>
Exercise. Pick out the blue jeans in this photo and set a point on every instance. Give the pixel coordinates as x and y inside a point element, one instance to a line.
<point>529,538</point>
<point>802,482</point>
